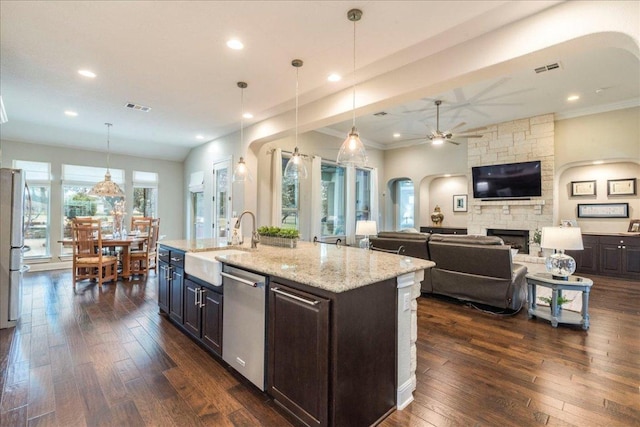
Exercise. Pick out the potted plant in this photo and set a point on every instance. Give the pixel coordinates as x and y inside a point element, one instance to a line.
<point>535,241</point>
<point>276,236</point>
<point>560,301</point>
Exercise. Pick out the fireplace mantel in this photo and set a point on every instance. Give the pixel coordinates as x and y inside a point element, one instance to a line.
<point>506,205</point>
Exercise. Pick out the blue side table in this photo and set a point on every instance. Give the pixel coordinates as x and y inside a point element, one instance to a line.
<point>554,313</point>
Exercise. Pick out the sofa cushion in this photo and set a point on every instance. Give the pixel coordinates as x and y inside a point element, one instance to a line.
<point>482,260</point>
<point>404,235</point>
<point>469,239</point>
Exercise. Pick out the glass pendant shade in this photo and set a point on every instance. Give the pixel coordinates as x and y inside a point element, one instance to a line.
<point>241,172</point>
<point>352,151</point>
<point>295,168</point>
<point>107,188</point>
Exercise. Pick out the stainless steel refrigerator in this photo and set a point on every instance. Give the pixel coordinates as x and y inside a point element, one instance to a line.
<point>13,207</point>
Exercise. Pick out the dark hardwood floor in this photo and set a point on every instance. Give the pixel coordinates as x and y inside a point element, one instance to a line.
<point>106,357</point>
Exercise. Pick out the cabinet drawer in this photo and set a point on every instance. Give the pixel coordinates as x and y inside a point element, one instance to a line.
<point>620,240</point>
<point>163,254</point>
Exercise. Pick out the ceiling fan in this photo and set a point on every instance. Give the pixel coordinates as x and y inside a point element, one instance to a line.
<point>438,137</point>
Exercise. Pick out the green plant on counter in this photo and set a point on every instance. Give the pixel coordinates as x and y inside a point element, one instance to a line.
<point>561,300</point>
<point>287,233</point>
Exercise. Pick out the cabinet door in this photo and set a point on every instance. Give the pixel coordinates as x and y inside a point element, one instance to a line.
<point>212,321</point>
<point>587,260</point>
<point>631,254</point>
<point>176,294</point>
<point>191,308</point>
<point>163,286</point>
<point>610,259</point>
<point>298,358</point>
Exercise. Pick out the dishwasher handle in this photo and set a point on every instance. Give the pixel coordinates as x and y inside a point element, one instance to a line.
<point>239,279</point>
<point>295,297</point>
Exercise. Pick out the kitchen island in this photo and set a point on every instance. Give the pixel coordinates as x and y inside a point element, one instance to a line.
<point>356,308</point>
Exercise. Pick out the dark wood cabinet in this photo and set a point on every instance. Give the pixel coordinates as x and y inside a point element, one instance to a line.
<point>176,284</point>
<point>299,353</point>
<point>609,255</point>
<point>331,357</point>
<point>203,313</point>
<point>443,230</point>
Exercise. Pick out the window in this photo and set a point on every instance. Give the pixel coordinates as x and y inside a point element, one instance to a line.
<point>405,207</point>
<point>145,194</point>
<point>333,199</point>
<point>77,181</point>
<point>37,236</point>
<point>197,204</point>
<point>363,194</point>
<point>290,199</point>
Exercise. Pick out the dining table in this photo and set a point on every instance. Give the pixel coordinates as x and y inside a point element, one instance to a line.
<point>134,241</point>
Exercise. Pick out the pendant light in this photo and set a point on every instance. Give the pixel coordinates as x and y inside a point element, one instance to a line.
<point>107,188</point>
<point>352,151</point>
<point>241,171</point>
<point>295,168</point>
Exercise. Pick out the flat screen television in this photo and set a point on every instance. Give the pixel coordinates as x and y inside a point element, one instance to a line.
<point>512,180</point>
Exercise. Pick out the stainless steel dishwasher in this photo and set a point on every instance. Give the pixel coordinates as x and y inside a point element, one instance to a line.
<point>243,324</point>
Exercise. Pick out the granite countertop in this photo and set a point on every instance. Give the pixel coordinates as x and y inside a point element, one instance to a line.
<point>197,245</point>
<point>329,267</point>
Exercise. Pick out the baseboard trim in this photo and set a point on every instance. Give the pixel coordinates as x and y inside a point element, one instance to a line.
<point>46,266</point>
<point>405,393</point>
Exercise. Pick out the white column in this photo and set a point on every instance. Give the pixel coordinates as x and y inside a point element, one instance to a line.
<point>408,286</point>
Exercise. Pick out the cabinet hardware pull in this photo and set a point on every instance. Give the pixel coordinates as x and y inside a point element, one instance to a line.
<point>239,279</point>
<point>295,297</point>
<point>176,259</point>
<point>197,296</point>
<point>202,291</point>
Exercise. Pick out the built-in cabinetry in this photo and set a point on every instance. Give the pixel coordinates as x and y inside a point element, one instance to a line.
<point>170,282</point>
<point>609,255</point>
<point>331,357</point>
<point>203,313</point>
<point>443,230</point>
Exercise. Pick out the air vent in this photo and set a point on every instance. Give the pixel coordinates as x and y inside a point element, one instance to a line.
<point>381,113</point>
<point>137,107</point>
<point>549,67</point>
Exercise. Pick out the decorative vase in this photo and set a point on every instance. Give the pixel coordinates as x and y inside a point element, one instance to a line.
<point>437,217</point>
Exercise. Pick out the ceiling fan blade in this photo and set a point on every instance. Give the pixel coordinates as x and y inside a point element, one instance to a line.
<point>463,135</point>
<point>459,125</point>
<point>453,142</point>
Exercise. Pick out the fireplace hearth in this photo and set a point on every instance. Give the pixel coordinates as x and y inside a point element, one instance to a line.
<point>517,239</point>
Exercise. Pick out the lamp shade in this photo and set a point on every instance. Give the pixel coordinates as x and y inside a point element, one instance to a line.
<point>564,238</point>
<point>366,228</point>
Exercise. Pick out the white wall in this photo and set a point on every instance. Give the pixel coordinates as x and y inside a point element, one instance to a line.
<point>440,192</point>
<point>170,186</point>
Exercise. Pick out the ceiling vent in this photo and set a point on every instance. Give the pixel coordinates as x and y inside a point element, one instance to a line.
<point>137,107</point>
<point>380,114</point>
<point>549,67</point>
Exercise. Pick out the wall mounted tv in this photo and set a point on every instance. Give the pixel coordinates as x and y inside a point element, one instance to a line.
<point>507,181</point>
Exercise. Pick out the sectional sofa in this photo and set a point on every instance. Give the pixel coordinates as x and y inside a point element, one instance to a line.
<point>468,267</point>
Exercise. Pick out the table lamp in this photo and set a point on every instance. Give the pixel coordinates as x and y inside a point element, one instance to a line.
<point>365,228</point>
<point>559,264</point>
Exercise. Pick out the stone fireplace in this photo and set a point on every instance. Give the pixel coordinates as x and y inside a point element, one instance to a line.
<point>512,142</point>
<point>517,239</point>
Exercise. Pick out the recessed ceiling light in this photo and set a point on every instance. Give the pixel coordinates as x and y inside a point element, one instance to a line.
<point>87,73</point>
<point>573,98</point>
<point>396,135</point>
<point>247,116</point>
<point>199,137</point>
<point>70,113</point>
<point>447,175</point>
<point>598,162</point>
<point>334,77</point>
<point>235,44</point>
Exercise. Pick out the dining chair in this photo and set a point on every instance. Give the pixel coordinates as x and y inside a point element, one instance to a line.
<point>143,260</point>
<point>89,261</point>
<point>140,225</point>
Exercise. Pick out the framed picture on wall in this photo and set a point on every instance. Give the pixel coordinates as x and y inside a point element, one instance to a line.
<point>621,187</point>
<point>603,210</point>
<point>583,188</point>
<point>634,226</point>
<point>460,203</point>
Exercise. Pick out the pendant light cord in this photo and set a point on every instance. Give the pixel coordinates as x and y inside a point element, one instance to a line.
<point>297,72</point>
<point>108,144</point>
<point>354,74</point>
<point>241,117</point>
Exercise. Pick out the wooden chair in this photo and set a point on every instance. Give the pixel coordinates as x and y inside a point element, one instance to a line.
<point>89,262</point>
<point>144,260</point>
<point>140,225</point>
